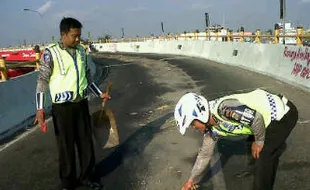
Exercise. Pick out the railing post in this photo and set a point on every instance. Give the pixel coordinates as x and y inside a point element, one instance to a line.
<point>299,35</point>
<point>4,73</point>
<point>257,38</point>
<point>37,51</point>
<point>242,34</point>
<point>276,34</point>
<point>228,35</point>
<point>38,60</point>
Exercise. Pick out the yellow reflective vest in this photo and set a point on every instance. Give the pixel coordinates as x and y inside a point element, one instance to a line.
<point>68,79</point>
<point>270,106</point>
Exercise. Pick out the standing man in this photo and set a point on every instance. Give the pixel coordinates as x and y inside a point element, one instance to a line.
<point>65,73</point>
<point>268,117</point>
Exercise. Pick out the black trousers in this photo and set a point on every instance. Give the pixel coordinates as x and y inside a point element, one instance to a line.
<point>72,126</point>
<point>276,135</point>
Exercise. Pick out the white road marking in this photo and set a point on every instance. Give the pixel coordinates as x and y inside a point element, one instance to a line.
<point>173,58</point>
<point>119,65</point>
<point>303,122</point>
<point>20,137</point>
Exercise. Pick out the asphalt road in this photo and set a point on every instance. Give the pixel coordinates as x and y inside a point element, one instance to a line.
<point>152,154</point>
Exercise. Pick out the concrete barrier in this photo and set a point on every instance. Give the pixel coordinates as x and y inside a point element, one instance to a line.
<point>286,63</point>
<point>17,102</point>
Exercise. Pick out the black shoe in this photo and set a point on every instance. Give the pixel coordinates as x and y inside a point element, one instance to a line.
<point>92,185</point>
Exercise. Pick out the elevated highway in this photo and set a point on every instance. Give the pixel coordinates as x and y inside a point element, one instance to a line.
<point>153,155</point>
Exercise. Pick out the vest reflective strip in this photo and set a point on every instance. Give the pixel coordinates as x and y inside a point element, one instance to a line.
<point>67,96</point>
<point>85,93</point>
<point>94,88</point>
<point>40,100</point>
<point>64,96</point>
<point>77,74</point>
<point>273,106</point>
<point>59,60</point>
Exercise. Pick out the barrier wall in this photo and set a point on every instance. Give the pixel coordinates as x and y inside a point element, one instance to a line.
<point>17,102</point>
<point>286,63</point>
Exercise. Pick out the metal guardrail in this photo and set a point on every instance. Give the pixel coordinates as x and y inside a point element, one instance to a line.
<point>257,37</point>
<point>13,65</point>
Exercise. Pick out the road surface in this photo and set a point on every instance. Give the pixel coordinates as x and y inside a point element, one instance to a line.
<point>152,154</point>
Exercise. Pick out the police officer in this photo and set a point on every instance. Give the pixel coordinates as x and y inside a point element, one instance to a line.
<point>65,73</point>
<point>268,117</point>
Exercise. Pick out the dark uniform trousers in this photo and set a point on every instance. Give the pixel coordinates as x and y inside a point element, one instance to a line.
<point>276,135</point>
<point>72,126</point>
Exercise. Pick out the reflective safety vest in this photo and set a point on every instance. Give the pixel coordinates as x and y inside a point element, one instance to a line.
<point>270,106</point>
<point>68,80</point>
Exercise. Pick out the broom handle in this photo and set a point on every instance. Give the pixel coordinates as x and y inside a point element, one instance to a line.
<point>108,91</point>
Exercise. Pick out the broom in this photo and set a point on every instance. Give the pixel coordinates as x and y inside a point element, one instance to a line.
<point>105,128</point>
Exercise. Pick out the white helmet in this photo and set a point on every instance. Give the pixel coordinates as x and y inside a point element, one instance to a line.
<point>191,106</point>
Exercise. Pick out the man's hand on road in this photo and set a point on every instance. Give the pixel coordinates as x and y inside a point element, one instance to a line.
<point>189,185</point>
<point>256,149</point>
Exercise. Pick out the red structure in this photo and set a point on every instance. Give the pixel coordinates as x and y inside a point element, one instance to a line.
<point>18,56</point>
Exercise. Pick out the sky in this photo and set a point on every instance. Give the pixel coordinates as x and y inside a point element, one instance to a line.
<point>139,17</point>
